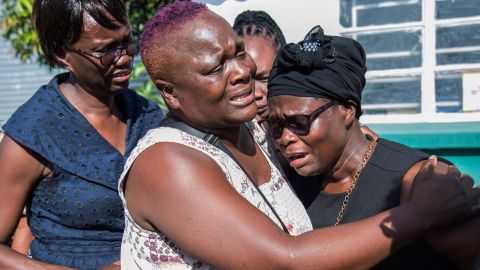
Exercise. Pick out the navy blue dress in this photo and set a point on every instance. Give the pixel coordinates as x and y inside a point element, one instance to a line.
<point>76,215</point>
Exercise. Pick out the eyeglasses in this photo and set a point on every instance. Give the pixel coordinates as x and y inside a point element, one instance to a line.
<point>298,124</point>
<point>111,56</point>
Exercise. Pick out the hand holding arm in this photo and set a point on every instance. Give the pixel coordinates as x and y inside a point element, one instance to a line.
<point>461,241</point>
<point>193,204</point>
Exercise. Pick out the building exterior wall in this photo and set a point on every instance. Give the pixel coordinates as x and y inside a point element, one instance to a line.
<point>295,18</point>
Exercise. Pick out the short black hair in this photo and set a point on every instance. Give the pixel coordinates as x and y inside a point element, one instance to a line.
<point>256,23</point>
<point>60,22</point>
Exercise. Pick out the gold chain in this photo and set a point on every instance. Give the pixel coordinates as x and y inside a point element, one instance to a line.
<point>362,165</point>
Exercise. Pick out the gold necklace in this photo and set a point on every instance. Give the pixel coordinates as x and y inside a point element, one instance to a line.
<point>366,157</point>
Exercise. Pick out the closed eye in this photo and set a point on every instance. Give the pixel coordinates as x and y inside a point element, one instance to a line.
<point>263,79</point>
<point>241,54</point>
<point>217,69</point>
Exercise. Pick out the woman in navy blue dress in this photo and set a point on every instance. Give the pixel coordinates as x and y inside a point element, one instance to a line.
<point>64,148</point>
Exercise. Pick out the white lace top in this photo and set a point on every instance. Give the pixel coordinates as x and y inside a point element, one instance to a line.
<point>143,249</point>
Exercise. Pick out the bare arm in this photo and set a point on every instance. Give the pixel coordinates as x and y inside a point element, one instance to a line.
<point>461,242</point>
<point>20,170</point>
<point>188,198</point>
<point>22,237</point>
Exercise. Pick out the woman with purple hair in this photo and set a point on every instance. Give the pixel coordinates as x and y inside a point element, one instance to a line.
<point>216,198</point>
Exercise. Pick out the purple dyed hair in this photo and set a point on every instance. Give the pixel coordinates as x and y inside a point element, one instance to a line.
<point>166,20</point>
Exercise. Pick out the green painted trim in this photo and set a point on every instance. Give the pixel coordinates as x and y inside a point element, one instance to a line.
<point>432,135</point>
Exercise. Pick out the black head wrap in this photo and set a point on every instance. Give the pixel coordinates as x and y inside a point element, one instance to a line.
<point>320,66</point>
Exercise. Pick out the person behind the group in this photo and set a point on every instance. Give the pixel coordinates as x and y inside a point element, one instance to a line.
<point>262,38</point>
<point>64,149</point>
<point>198,209</point>
<point>315,103</point>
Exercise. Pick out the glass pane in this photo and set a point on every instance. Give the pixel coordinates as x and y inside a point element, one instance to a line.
<point>458,36</point>
<point>393,62</point>
<point>458,44</point>
<point>458,58</point>
<point>448,92</point>
<point>346,13</point>
<point>393,95</point>
<point>446,9</point>
<point>389,15</point>
<point>368,2</point>
<point>392,50</point>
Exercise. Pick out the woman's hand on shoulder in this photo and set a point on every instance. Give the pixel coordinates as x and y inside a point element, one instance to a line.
<point>461,241</point>
<point>442,190</point>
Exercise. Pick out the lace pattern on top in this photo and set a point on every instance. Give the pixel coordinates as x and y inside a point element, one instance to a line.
<point>152,250</point>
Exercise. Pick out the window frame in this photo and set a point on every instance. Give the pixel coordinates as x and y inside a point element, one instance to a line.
<point>426,71</point>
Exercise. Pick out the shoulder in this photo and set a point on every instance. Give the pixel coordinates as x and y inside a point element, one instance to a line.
<point>400,149</point>
<point>412,172</point>
<point>399,158</point>
<point>37,104</point>
<point>37,123</point>
<point>173,157</point>
<point>44,108</point>
<point>174,152</point>
<point>45,97</point>
<point>393,156</point>
<point>168,166</point>
<point>169,140</point>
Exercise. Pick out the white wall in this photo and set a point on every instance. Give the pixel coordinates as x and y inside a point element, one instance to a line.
<point>295,18</point>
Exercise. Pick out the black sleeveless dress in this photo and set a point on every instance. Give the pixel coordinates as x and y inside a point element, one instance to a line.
<point>378,189</point>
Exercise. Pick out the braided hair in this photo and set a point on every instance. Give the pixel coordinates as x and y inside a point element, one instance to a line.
<point>259,23</point>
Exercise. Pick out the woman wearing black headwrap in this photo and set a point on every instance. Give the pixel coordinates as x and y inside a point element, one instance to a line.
<point>314,96</point>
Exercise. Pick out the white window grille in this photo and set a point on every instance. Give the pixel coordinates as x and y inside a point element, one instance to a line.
<point>417,54</point>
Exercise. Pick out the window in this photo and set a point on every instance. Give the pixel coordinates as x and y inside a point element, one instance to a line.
<point>423,58</point>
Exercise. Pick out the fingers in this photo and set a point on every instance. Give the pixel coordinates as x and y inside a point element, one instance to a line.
<point>476,194</point>
<point>466,181</point>
<point>476,204</point>
<point>453,170</point>
<point>433,159</point>
<point>428,166</point>
<point>474,200</point>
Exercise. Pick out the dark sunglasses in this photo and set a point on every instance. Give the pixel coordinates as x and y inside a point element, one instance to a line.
<point>298,124</point>
<point>111,56</point>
